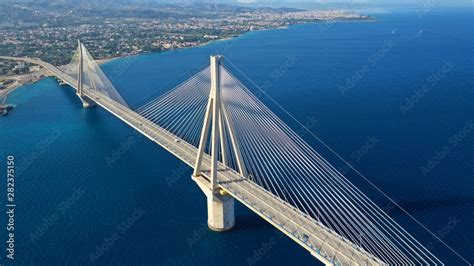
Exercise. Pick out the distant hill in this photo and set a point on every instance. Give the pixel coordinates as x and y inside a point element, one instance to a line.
<point>146,8</point>
<point>147,2</point>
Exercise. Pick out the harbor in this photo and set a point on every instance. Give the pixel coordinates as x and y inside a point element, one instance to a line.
<point>10,83</point>
<point>4,109</point>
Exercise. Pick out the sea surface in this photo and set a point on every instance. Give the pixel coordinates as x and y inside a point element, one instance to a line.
<point>393,97</point>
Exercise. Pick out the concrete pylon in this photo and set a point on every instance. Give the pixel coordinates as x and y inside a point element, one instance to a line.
<point>86,102</point>
<point>220,205</point>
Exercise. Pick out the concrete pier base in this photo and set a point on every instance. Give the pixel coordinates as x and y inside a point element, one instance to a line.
<point>220,206</point>
<point>220,212</point>
<point>86,102</point>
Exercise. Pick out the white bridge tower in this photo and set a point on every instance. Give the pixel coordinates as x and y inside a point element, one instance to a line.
<point>86,102</point>
<point>220,205</point>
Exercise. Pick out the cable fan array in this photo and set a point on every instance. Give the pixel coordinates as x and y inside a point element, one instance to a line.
<point>181,110</point>
<point>271,156</point>
<point>279,161</point>
<point>93,77</point>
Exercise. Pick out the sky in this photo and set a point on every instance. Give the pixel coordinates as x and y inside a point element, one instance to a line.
<point>371,2</point>
<point>304,3</point>
<point>329,3</point>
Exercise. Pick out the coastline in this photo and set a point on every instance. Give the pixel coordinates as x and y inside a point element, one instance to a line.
<point>40,74</point>
<point>363,18</point>
<point>369,19</point>
<point>18,82</point>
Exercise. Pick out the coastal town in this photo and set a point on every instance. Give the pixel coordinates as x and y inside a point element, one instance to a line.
<point>21,74</point>
<point>50,30</point>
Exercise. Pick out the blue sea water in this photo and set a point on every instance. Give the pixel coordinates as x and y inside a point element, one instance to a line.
<point>389,96</point>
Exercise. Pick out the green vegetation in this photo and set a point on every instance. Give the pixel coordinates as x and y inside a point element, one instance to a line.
<point>49,30</point>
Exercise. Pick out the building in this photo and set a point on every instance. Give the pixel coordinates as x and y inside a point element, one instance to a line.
<point>5,83</point>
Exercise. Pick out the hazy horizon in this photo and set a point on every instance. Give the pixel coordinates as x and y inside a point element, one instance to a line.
<point>278,3</point>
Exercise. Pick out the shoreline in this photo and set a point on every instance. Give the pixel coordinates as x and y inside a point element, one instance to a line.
<point>19,81</point>
<point>107,60</point>
<point>42,74</point>
<point>366,19</point>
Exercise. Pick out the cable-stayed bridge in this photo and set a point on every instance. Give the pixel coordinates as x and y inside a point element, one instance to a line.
<point>240,150</point>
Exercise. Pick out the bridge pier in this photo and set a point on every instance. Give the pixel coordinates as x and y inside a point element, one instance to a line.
<point>220,212</point>
<point>86,102</point>
<point>220,206</point>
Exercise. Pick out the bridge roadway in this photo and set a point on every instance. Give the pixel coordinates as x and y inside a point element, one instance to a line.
<point>322,242</point>
<point>54,70</point>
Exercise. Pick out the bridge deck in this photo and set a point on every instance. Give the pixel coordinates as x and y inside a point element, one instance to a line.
<point>323,243</point>
<point>306,231</point>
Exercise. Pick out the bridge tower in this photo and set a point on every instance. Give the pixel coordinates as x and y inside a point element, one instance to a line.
<point>86,102</point>
<point>220,205</point>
